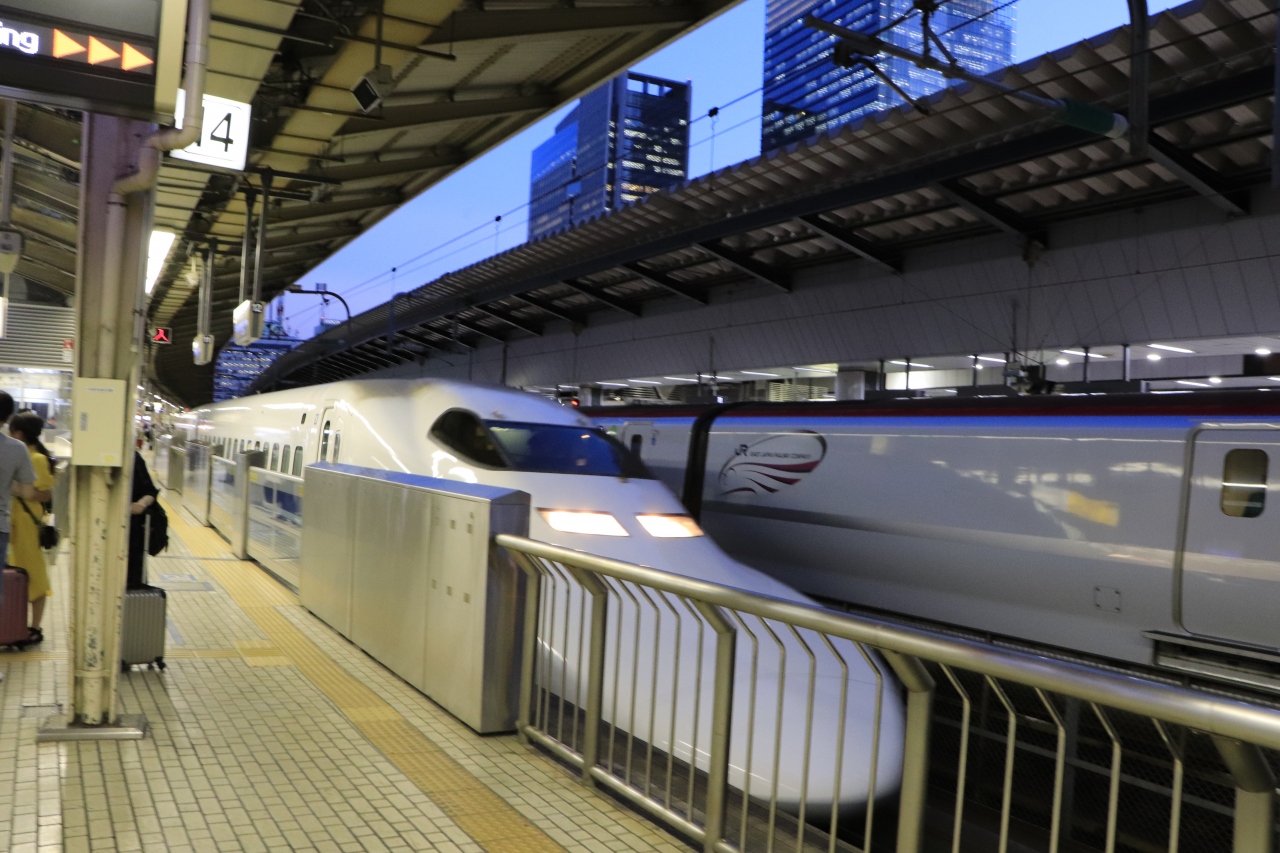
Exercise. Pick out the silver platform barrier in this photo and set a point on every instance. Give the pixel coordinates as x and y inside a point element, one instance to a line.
<point>402,566</point>
<point>160,461</point>
<point>195,480</point>
<point>741,722</point>
<point>273,532</point>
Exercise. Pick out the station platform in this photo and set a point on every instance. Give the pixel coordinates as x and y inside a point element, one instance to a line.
<point>270,732</point>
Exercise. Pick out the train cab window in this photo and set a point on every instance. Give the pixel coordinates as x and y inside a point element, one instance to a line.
<point>297,463</point>
<point>1244,483</point>
<point>324,441</point>
<point>465,433</point>
<point>275,458</point>
<point>284,460</point>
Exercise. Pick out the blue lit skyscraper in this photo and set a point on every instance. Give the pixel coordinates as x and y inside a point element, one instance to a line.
<point>806,94</point>
<point>623,140</point>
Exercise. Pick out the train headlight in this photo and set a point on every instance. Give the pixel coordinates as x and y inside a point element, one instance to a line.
<point>590,523</point>
<point>669,526</point>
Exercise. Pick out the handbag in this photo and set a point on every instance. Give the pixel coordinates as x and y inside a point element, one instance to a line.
<point>48,534</point>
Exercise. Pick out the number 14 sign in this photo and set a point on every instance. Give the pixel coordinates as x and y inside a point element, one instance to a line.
<point>224,134</point>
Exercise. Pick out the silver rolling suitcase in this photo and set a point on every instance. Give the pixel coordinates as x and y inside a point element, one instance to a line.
<point>143,621</point>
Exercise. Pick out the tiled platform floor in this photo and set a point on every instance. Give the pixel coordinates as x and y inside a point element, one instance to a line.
<point>270,733</point>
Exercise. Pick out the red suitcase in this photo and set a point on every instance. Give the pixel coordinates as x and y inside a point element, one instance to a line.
<point>13,609</point>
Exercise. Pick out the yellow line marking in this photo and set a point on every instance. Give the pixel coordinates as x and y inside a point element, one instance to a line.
<point>477,810</point>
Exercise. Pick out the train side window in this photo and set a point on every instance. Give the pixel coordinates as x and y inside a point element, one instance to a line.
<point>637,442</point>
<point>324,442</point>
<point>1244,483</point>
<point>275,457</point>
<point>462,431</point>
<point>297,462</point>
<point>284,459</point>
<point>337,445</point>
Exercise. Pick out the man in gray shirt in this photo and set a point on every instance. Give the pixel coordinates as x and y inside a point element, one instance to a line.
<point>16,476</point>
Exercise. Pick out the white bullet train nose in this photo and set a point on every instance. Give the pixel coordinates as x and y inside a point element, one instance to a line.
<point>653,683</point>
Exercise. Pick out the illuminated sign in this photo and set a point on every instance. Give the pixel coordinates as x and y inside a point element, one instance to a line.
<point>162,335</point>
<point>224,135</point>
<point>110,56</point>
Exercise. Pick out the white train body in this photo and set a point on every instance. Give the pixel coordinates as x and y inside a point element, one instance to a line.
<point>388,424</point>
<point>1108,526</point>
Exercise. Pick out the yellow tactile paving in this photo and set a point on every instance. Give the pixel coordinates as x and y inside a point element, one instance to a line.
<point>480,813</point>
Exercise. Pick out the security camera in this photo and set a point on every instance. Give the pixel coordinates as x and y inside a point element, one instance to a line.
<point>372,88</point>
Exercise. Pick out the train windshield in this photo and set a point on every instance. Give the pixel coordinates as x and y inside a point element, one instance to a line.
<point>552,449</point>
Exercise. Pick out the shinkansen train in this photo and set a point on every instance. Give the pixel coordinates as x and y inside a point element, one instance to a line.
<point>1136,527</point>
<point>589,493</point>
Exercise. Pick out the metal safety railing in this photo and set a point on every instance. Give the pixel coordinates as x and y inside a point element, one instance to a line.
<point>750,723</point>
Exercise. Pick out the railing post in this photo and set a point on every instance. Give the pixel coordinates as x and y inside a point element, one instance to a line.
<point>528,651</point>
<point>595,669</point>
<point>721,722</point>
<point>915,752</point>
<point>1255,791</point>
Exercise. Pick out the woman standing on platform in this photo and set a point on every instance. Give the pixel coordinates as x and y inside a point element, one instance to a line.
<point>25,517</point>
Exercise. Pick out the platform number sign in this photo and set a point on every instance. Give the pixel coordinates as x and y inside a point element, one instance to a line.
<point>224,133</point>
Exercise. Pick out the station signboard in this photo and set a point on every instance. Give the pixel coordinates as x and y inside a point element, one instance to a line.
<point>224,136</point>
<point>120,57</point>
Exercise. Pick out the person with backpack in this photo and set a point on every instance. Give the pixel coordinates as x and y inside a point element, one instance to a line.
<point>26,550</point>
<point>144,497</point>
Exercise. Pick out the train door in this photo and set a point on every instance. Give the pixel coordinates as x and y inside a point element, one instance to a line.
<point>1230,569</point>
<point>636,436</point>
<point>330,446</point>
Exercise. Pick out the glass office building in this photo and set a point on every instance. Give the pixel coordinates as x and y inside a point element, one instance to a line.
<point>625,139</point>
<point>806,94</point>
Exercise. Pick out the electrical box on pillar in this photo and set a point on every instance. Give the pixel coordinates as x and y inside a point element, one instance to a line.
<point>202,349</point>
<point>97,437</point>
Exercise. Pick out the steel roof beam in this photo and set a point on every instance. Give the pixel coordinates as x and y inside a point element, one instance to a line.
<point>478,330</point>
<point>364,203</point>
<point>549,307</point>
<point>600,296</point>
<point>665,281</point>
<point>384,168</point>
<point>749,265</point>
<point>468,25</point>
<point>992,212</point>
<point>1195,174</point>
<point>508,319</point>
<point>860,246</point>
<point>394,118</point>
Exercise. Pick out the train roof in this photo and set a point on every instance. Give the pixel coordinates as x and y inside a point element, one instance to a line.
<point>1260,403</point>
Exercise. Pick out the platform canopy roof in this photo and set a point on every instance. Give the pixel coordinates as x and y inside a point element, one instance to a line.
<point>465,76</point>
<point>978,162</point>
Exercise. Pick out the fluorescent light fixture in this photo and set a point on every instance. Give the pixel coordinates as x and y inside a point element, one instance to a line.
<point>157,251</point>
<point>1194,384</point>
<point>1082,353</point>
<point>815,370</point>
<point>1062,362</point>
<point>1151,356</point>
<point>1169,348</point>
<point>614,384</point>
<point>989,358</point>
<point>669,526</point>
<point>758,373</point>
<point>1216,380</point>
<point>1262,351</point>
<point>977,367</point>
<point>913,364</point>
<point>679,379</point>
<point>1274,378</point>
<point>588,523</point>
<point>643,382</point>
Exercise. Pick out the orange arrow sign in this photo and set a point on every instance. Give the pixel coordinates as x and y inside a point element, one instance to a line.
<point>134,58</point>
<point>99,52</point>
<point>65,45</point>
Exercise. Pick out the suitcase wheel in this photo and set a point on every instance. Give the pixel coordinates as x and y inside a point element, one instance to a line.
<point>160,663</point>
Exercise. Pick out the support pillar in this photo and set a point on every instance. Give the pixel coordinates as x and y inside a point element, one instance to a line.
<point>851,384</point>
<point>111,261</point>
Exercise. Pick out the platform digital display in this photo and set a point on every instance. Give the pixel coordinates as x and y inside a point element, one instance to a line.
<point>100,55</point>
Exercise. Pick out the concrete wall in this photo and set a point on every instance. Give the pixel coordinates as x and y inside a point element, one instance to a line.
<point>1172,271</point>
